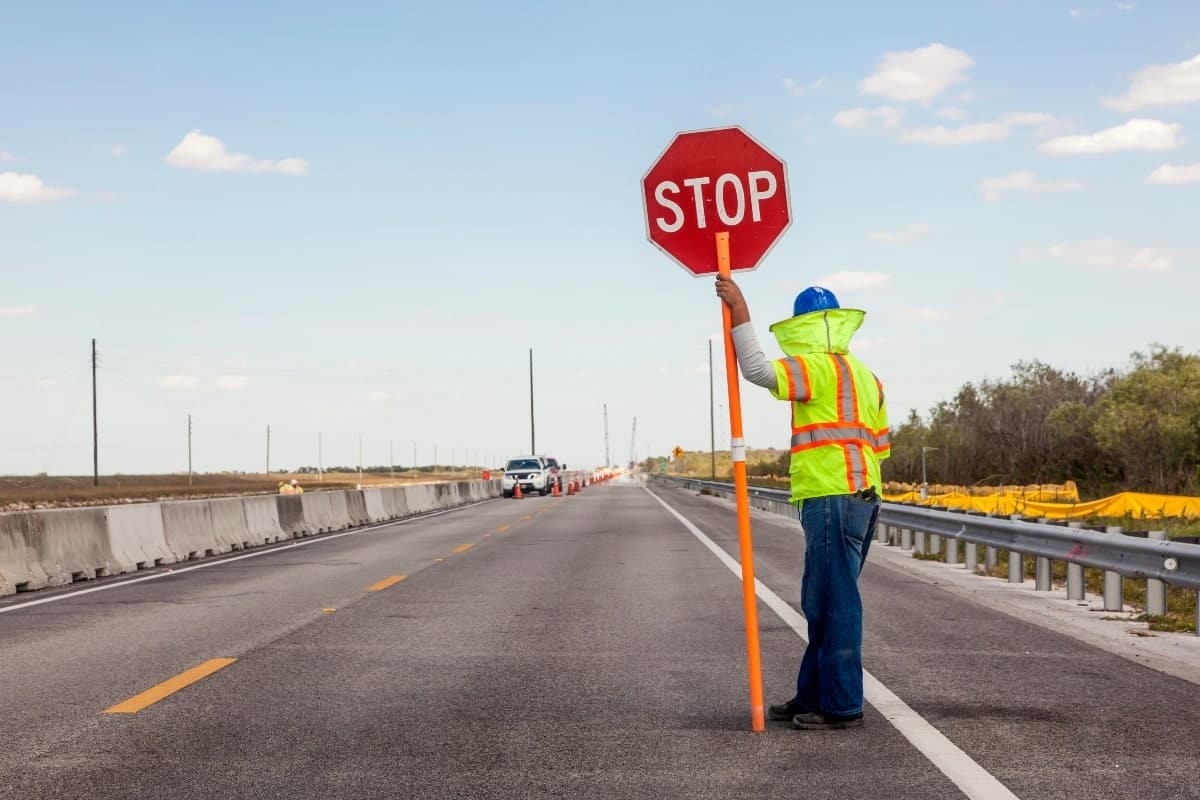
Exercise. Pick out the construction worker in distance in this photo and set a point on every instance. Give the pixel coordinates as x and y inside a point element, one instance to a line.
<point>285,488</point>
<point>839,436</point>
<point>296,487</point>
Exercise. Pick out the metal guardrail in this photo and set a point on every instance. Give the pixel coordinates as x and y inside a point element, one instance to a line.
<point>926,530</point>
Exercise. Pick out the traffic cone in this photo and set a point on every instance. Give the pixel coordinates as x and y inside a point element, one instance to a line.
<point>554,492</point>
<point>517,491</point>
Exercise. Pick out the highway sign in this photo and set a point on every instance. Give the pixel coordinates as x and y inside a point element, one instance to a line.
<point>711,181</point>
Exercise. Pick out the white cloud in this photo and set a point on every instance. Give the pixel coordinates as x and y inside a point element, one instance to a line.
<point>1171,174</point>
<point>118,151</point>
<point>18,311</point>
<point>179,382</point>
<point>233,383</point>
<point>849,281</point>
<point>952,113</point>
<point>45,383</point>
<point>18,188</point>
<point>1107,253</point>
<point>870,344</point>
<point>236,363</point>
<point>1126,6</point>
<point>6,157</point>
<point>933,315</point>
<point>966,134</point>
<point>108,197</point>
<point>918,75</point>
<point>1137,134</point>
<point>381,397</point>
<point>1084,13</point>
<point>883,117</point>
<point>799,89</point>
<point>1160,85</point>
<point>1025,181</point>
<point>905,234</point>
<point>202,152</point>
<point>725,110</point>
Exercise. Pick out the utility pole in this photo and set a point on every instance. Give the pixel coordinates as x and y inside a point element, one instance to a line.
<point>268,449</point>
<point>320,463</point>
<point>532,429</point>
<point>189,449</point>
<point>633,448</point>
<point>712,413</point>
<point>414,464</point>
<point>607,457</point>
<point>95,424</point>
<point>360,459</point>
<point>392,458</point>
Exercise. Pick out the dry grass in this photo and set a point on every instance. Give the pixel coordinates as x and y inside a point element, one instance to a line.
<point>23,493</point>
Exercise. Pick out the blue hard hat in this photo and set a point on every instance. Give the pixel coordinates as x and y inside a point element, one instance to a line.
<point>814,298</point>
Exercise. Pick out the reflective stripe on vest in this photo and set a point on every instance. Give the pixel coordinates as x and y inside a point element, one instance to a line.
<point>839,433</point>
<point>799,388</point>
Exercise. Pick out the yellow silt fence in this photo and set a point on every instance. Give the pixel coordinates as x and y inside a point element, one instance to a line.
<point>1137,505</point>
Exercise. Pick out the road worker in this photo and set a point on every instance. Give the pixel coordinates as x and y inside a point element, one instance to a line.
<point>286,488</point>
<point>839,436</point>
<point>296,487</point>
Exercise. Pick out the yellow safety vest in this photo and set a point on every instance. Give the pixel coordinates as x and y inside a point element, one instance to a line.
<point>839,420</point>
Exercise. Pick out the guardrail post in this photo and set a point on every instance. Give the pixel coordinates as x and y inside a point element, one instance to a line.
<point>1156,590</point>
<point>991,556</point>
<point>971,551</point>
<point>906,539</point>
<point>919,542</point>
<point>1016,562</point>
<point>1114,585</point>
<point>881,533</point>
<point>951,550</point>
<point>1075,587</point>
<point>1043,574</point>
<point>935,544</point>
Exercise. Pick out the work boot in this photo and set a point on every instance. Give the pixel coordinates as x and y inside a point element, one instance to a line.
<point>782,712</point>
<point>816,721</point>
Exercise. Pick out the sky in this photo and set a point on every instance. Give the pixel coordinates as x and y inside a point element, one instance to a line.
<point>353,222</point>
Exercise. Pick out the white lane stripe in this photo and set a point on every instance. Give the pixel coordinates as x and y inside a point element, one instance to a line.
<point>974,781</point>
<point>265,552</point>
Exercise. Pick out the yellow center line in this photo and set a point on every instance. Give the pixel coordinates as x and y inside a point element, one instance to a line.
<point>386,583</point>
<point>526,519</point>
<point>462,548</point>
<point>502,529</point>
<point>169,687</point>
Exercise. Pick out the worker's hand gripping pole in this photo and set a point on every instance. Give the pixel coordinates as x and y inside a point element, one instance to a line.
<point>738,447</point>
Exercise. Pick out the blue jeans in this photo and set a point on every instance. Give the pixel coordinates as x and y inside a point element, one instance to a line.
<point>837,533</point>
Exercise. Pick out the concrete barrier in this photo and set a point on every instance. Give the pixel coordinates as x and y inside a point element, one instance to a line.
<point>74,546</point>
<point>339,511</point>
<point>229,523</point>
<point>317,512</point>
<point>136,535</point>
<point>262,520</point>
<point>420,498</point>
<point>55,547</point>
<point>20,567</point>
<point>188,527</point>
<point>376,508</point>
<point>400,498</point>
<point>290,509</point>
<point>356,508</point>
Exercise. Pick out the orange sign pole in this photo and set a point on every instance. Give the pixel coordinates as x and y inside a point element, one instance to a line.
<point>738,446</point>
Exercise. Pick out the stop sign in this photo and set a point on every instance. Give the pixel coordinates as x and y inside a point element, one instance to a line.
<point>710,181</point>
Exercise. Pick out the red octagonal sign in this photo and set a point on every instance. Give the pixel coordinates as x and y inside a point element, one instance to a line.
<point>710,181</point>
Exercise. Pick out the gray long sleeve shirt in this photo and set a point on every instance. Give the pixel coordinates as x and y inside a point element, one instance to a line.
<point>754,365</point>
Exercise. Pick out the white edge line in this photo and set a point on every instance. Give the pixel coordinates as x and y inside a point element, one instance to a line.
<point>966,773</point>
<point>329,537</point>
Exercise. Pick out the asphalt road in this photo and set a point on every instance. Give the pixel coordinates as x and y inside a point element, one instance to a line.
<point>576,647</point>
